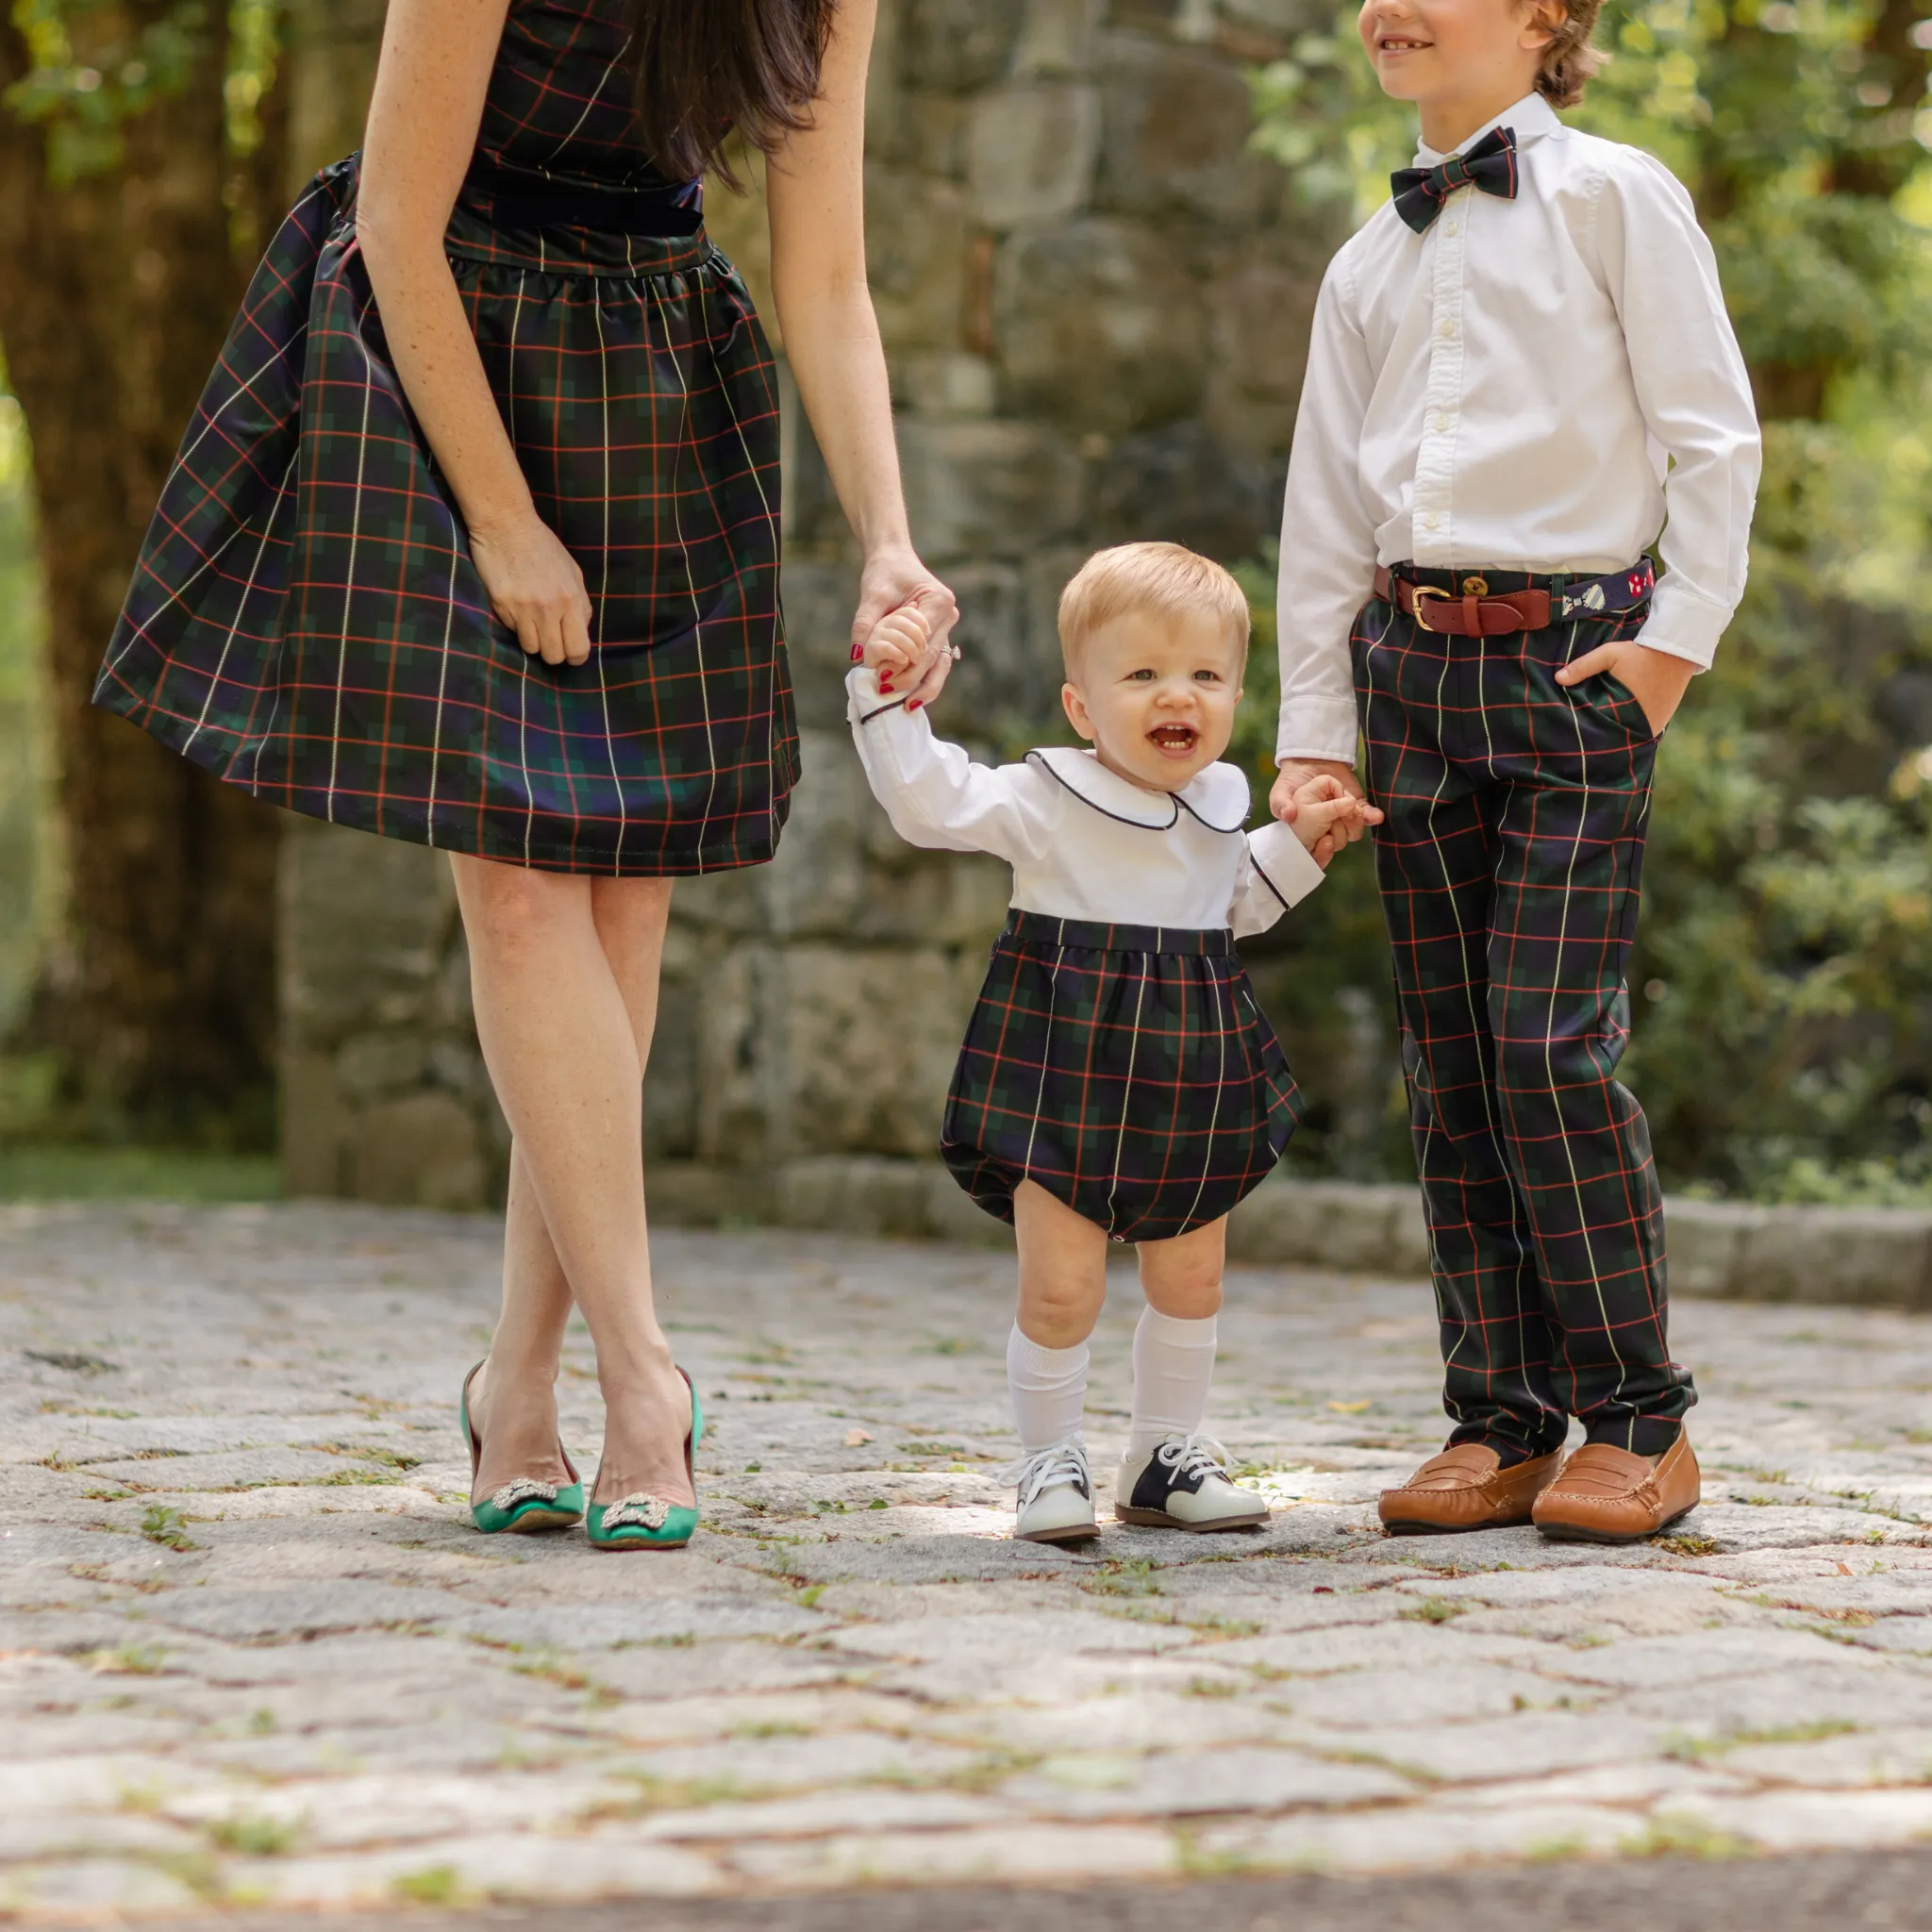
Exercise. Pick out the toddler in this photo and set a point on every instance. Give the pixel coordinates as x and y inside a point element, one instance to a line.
<point>1117,1081</point>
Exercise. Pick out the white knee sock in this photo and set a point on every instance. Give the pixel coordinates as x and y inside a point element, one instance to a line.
<point>1049,1389</point>
<point>1174,1365</point>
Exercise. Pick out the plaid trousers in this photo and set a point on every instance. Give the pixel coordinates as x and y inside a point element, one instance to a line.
<point>1509,864</point>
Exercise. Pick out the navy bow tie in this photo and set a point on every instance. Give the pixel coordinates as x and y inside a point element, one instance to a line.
<point>1490,165</point>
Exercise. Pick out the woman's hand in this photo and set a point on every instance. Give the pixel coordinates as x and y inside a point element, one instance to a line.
<point>893,580</point>
<point>536,587</point>
<point>1656,679</point>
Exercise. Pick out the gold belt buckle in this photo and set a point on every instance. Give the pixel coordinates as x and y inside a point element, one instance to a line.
<point>1416,593</point>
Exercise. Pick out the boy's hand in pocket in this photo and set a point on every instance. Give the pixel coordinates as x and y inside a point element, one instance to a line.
<point>1655,679</point>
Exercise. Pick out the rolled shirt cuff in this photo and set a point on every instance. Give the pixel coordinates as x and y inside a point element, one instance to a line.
<point>1317,728</point>
<point>1684,624</point>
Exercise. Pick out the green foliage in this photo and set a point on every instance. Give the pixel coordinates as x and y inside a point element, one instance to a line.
<point>94,71</point>
<point>1783,977</point>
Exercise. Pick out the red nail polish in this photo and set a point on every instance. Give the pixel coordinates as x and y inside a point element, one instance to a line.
<point>857,652</point>
<point>912,703</point>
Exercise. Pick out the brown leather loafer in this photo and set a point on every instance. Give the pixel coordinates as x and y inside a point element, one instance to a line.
<point>1608,1496</point>
<point>1465,1488</point>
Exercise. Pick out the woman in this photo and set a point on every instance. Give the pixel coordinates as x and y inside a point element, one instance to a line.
<point>474,542</point>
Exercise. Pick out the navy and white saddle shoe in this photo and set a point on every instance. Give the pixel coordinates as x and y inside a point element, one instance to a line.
<point>1056,1495</point>
<point>1183,1484</point>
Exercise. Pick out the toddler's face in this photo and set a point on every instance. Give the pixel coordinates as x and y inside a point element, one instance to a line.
<point>1155,695</point>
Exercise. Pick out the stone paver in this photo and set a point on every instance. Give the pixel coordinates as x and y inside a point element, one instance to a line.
<point>250,1652</point>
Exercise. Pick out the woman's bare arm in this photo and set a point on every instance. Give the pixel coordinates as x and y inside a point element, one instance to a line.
<point>816,189</point>
<point>428,101</point>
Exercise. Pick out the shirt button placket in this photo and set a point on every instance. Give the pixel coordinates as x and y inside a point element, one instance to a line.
<point>1433,529</point>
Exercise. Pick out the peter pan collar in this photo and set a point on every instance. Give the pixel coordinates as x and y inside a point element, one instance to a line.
<point>1529,118</point>
<point>1218,797</point>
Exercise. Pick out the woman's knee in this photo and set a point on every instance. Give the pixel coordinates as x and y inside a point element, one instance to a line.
<point>509,907</point>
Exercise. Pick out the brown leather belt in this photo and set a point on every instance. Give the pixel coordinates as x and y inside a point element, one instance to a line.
<point>1475,613</point>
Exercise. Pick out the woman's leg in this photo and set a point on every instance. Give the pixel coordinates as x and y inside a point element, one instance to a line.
<point>564,972</point>
<point>516,1391</point>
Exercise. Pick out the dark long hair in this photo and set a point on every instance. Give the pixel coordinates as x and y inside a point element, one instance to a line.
<point>705,67</point>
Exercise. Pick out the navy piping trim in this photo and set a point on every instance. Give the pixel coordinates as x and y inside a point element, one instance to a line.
<point>1139,824</point>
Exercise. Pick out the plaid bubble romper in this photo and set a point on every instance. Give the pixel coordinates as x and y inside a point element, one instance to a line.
<point>305,620</point>
<point>1116,1057</point>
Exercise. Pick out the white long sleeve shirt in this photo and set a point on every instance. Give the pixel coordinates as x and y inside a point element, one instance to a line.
<point>1534,384</point>
<point>1083,842</point>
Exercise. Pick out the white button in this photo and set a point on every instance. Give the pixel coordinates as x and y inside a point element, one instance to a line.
<point>1446,327</point>
<point>1452,225</point>
<point>1431,521</point>
<point>1439,424</point>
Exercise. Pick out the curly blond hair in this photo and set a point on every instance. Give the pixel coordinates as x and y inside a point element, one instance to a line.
<point>1570,63</point>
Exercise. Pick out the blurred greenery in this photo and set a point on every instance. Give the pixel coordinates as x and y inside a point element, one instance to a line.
<point>24,866</point>
<point>83,90</point>
<point>1783,976</point>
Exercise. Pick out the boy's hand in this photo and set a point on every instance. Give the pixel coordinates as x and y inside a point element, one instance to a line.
<point>1655,679</point>
<point>1296,772</point>
<point>1327,816</point>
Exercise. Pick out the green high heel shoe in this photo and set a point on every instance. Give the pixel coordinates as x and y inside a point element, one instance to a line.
<point>645,1522</point>
<point>524,1504</point>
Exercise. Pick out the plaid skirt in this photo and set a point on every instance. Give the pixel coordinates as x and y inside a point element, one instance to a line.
<point>1126,1069</point>
<point>305,620</point>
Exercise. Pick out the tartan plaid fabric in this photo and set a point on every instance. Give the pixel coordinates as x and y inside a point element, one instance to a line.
<point>1509,865</point>
<point>1421,194</point>
<point>1126,1069</point>
<point>305,620</point>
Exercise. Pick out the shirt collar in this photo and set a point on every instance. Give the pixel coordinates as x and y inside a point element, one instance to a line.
<point>1218,797</point>
<point>1531,117</point>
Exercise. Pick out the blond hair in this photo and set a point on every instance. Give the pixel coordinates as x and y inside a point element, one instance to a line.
<point>1570,63</point>
<point>1165,578</point>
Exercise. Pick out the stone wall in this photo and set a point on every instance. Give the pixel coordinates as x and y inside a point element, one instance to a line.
<point>1095,299</point>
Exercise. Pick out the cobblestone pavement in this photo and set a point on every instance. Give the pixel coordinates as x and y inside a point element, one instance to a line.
<point>251,1650</point>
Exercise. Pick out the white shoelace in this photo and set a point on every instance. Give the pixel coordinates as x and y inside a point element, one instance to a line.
<point>1196,1456</point>
<point>1048,1468</point>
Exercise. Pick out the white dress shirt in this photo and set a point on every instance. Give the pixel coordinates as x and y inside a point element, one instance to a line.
<point>1083,842</point>
<point>1532,384</point>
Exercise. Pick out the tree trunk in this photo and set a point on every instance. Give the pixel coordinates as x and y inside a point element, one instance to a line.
<point>116,294</point>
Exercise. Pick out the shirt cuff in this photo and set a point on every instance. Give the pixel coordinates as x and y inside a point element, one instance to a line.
<point>1683,624</point>
<point>1286,865</point>
<point>864,701</point>
<point>1317,728</point>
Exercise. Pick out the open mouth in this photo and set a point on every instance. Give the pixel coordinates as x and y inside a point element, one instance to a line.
<point>1401,44</point>
<point>1175,740</point>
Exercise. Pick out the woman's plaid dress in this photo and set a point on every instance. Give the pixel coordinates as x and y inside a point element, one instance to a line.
<point>305,620</point>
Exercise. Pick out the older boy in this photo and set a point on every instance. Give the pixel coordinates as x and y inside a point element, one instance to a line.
<point>1521,367</point>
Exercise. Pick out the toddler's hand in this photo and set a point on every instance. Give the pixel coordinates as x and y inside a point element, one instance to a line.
<point>902,649</point>
<point>896,647</point>
<point>1327,814</point>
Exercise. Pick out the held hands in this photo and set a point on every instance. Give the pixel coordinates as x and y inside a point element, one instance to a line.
<point>534,586</point>
<point>1327,816</point>
<point>900,648</point>
<point>896,584</point>
<point>1655,679</point>
<point>1292,790</point>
